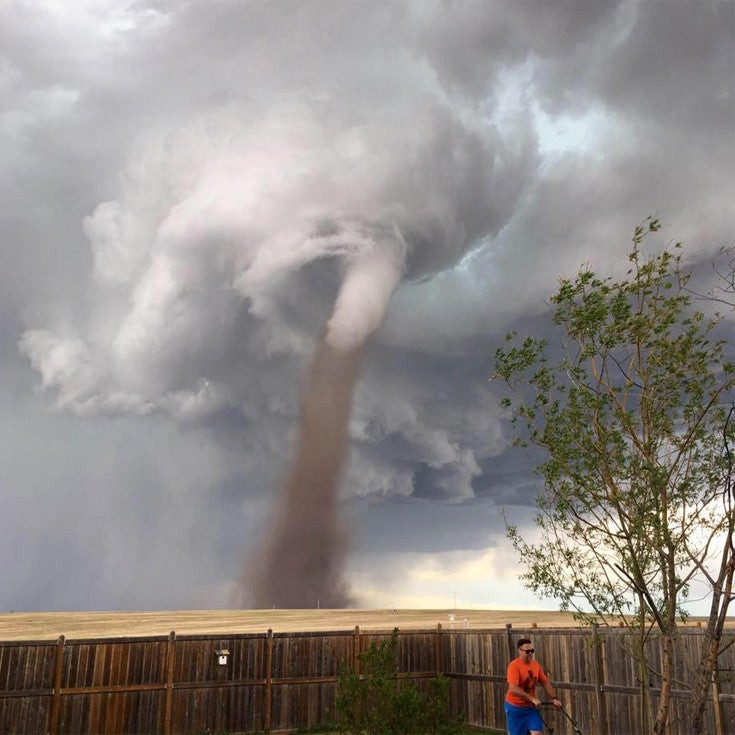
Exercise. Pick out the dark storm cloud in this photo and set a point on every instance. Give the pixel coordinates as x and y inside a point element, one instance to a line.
<point>423,526</point>
<point>476,41</point>
<point>520,139</point>
<point>422,423</point>
<point>93,511</point>
<point>675,65</point>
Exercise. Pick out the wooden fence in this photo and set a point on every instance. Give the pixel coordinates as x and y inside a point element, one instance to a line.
<point>283,681</point>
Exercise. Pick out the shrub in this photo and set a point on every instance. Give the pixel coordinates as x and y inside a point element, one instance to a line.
<point>379,701</point>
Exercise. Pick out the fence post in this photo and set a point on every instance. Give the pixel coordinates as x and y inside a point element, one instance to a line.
<point>509,636</point>
<point>168,702</point>
<point>603,726</point>
<point>268,681</point>
<point>356,649</point>
<point>53,727</point>
<point>439,650</point>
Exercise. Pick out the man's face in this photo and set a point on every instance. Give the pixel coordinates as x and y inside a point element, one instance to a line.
<point>525,652</point>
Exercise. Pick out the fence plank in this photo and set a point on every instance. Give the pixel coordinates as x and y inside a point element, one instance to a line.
<point>356,650</point>
<point>439,650</point>
<point>53,727</point>
<point>268,682</point>
<point>599,673</point>
<point>168,701</point>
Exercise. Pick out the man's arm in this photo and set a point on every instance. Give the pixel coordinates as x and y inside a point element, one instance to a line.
<point>514,689</point>
<point>551,692</point>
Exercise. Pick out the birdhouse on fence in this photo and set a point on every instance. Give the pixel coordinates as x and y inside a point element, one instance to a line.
<point>222,656</point>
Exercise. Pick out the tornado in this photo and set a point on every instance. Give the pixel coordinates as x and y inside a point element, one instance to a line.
<point>302,561</point>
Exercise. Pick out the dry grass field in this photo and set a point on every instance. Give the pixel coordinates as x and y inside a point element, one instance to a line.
<point>75,625</point>
<point>43,626</point>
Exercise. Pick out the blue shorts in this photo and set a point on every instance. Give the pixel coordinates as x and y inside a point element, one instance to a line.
<point>522,719</point>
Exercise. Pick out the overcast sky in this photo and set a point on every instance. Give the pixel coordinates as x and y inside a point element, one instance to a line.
<point>173,174</point>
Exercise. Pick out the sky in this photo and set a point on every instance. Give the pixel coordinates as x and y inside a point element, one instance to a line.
<point>186,185</point>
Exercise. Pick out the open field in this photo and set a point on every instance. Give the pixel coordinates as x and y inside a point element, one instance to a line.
<point>43,626</point>
<point>39,626</point>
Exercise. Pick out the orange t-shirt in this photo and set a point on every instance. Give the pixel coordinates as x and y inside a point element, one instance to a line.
<point>526,676</point>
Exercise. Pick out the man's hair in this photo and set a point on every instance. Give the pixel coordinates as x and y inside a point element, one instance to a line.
<point>522,642</point>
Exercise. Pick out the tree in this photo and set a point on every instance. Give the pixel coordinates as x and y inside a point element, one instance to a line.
<point>633,418</point>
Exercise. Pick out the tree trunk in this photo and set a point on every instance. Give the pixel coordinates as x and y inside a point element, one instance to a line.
<point>701,685</point>
<point>642,675</point>
<point>708,662</point>
<point>645,722</point>
<point>662,714</point>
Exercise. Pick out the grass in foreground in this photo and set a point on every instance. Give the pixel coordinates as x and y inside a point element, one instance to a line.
<point>464,730</point>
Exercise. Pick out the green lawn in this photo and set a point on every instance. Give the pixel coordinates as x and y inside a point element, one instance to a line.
<point>466,730</point>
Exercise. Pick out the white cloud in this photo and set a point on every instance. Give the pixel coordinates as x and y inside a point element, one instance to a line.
<point>480,579</point>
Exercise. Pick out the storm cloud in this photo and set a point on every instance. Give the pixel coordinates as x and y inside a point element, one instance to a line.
<point>185,188</point>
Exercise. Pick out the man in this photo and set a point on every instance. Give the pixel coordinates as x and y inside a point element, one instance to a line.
<point>521,702</point>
